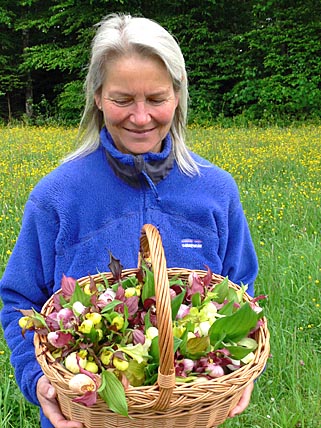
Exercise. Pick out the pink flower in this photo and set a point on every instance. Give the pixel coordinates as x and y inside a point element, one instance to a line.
<point>214,370</point>
<point>106,297</point>
<point>183,311</point>
<point>59,339</point>
<point>138,337</point>
<point>66,317</point>
<point>183,367</point>
<point>90,396</point>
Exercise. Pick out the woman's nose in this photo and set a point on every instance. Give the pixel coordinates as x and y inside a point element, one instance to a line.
<point>140,114</point>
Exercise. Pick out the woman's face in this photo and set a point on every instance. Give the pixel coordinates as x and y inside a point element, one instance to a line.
<point>138,102</point>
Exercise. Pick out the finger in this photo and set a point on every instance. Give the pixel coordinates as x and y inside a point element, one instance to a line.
<point>47,398</point>
<point>244,401</point>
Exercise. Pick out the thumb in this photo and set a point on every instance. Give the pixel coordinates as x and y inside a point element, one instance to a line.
<point>51,392</point>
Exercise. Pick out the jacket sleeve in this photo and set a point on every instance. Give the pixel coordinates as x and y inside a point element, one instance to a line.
<point>27,283</point>
<point>240,262</point>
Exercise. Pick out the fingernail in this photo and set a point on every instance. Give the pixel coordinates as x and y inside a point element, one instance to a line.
<point>51,392</point>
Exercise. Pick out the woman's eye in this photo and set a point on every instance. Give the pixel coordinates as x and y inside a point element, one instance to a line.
<point>123,103</point>
<point>156,101</point>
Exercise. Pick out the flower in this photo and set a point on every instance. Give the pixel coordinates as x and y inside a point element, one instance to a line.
<point>105,330</point>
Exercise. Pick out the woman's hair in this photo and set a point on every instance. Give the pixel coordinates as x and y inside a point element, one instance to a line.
<point>120,35</point>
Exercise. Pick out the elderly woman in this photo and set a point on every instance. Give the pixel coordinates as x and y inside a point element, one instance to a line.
<point>132,167</point>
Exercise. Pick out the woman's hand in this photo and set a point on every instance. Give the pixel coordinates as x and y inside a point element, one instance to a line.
<point>244,401</point>
<point>46,394</point>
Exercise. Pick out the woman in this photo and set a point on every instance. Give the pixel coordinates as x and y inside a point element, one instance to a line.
<point>132,168</point>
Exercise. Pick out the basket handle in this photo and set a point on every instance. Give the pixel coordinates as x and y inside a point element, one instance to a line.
<point>151,245</point>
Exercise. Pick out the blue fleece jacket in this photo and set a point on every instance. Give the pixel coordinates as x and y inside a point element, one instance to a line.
<point>86,208</point>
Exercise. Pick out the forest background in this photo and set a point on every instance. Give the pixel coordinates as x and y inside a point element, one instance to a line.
<point>248,61</point>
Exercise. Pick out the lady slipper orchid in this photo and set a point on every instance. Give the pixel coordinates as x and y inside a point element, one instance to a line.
<point>81,383</point>
<point>73,362</point>
<point>105,333</point>
<point>59,339</point>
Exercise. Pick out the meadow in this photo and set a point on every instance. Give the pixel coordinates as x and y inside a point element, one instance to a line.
<point>278,171</point>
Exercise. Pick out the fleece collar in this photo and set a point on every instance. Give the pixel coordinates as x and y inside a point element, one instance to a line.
<point>153,167</point>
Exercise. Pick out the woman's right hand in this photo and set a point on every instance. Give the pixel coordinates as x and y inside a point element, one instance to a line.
<point>46,394</point>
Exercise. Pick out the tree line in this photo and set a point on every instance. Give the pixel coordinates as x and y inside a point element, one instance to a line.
<point>256,60</point>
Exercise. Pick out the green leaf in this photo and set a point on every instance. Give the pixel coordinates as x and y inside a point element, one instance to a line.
<point>154,350</point>
<point>128,282</point>
<point>233,327</point>
<point>149,285</point>
<point>232,295</point>
<point>176,303</point>
<point>197,347</point>
<point>242,348</point>
<point>237,352</point>
<point>136,373</point>
<point>147,321</point>
<point>189,327</point>
<point>177,343</point>
<point>111,306</point>
<point>80,296</point>
<point>196,300</point>
<point>227,309</point>
<point>113,393</point>
<point>151,373</point>
<point>221,290</point>
<point>137,352</point>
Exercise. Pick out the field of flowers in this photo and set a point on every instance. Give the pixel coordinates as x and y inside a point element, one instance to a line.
<point>279,176</point>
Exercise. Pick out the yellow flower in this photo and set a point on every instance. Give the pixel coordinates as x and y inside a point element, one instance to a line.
<point>86,326</point>
<point>105,356</point>
<point>121,365</point>
<point>95,317</point>
<point>25,322</point>
<point>118,322</point>
<point>91,366</point>
<point>130,292</point>
<point>72,364</point>
<point>87,290</point>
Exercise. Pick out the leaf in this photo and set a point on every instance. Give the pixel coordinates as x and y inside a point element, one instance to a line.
<point>113,393</point>
<point>154,350</point>
<point>131,281</point>
<point>232,295</point>
<point>221,290</point>
<point>196,300</point>
<point>242,348</point>
<point>80,296</point>
<point>176,303</point>
<point>147,321</point>
<point>227,309</point>
<point>177,343</point>
<point>196,347</point>
<point>136,352</point>
<point>67,285</point>
<point>115,267</point>
<point>151,374</point>
<point>136,373</point>
<point>149,285</point>
<point>189,327</point>
<point>234,327</point>
<point>111,306</point>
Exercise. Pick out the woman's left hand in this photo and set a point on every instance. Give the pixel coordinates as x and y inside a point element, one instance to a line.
<point>244,401</point>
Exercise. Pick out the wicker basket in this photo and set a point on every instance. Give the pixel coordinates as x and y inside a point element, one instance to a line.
<point>165,404</point>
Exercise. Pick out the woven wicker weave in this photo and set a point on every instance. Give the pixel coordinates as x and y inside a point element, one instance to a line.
<point>165,404</point>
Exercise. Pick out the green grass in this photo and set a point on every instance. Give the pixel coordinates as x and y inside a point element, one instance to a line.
<point>279,176</point>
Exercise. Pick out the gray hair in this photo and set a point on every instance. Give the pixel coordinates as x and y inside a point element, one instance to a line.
<point>118,35</point>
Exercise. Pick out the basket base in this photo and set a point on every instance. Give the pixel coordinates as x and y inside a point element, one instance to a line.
<point>96,416</point>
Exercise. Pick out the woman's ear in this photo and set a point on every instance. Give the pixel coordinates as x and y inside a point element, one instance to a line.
<point>98,101</point>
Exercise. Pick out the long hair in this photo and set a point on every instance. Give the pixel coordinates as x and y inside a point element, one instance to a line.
<point>119,35</point>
